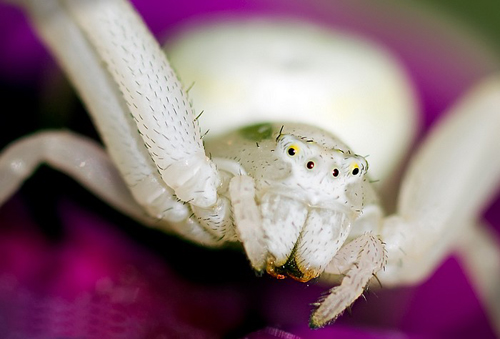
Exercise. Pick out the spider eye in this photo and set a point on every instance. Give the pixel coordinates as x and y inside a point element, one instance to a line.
<point>292,150</point>
<point>335,172</point>
<point>310,165</point>
<point>355,169</point>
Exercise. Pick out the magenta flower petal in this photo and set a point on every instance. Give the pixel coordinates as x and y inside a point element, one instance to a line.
<point>97,281</point>
<point>455,312</point>
<point>22,56</point>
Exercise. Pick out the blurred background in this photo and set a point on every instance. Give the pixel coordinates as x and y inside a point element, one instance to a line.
<point>481,17</point>
<point>446,46</point>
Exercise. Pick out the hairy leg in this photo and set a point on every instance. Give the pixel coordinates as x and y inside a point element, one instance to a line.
<point>79,157</point>
<point>452,178</point>
<point>155,98</point>
<point>133,95</point>
<point>248,220</point>
<point>86,162</point>
<point>357,261</point>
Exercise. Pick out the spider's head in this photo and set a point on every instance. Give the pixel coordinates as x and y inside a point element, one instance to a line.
<point>307,213</point>
<point>320,175</point>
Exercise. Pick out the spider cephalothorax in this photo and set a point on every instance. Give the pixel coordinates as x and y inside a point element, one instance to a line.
<point>309,190</point>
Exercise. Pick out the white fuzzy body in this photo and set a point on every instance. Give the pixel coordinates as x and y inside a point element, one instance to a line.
<point>307,213</point>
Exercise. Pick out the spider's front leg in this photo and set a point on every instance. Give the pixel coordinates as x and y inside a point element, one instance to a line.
<point>450,181</point>
<point>153,95</point>
<point>142,113</point>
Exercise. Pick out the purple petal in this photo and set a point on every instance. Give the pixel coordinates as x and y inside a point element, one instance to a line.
<point>97,283</point>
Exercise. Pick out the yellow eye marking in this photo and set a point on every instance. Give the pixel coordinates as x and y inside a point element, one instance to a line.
<point>293,150</point>
<point>354,169</point>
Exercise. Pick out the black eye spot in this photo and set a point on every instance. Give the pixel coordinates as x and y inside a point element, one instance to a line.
<point>310,165</point>
<point>355,171</point>
<point>335,172</point>
<point>292,151</point>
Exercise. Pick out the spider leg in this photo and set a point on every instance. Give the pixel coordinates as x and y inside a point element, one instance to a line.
<point>217,219</point>
<point>137,103</point>
<point>451,179</point>
<point>248,219</point>
<point>479,252</point>
<point>159,205</point>
<point>79,157</point>
<point>107,109</point>
<point>358,261</point>
<point>154,96</point>
<point>87,162</point>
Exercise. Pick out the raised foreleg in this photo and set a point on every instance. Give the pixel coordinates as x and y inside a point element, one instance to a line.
<point>109,106</point>
<point>153,95</point>
<point>132,93</point>
<point>103,100</point>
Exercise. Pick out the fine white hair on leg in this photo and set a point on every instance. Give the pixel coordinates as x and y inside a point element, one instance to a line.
<point>358,261</point>
<point>248,220</point>
<point>85,161</point>
<point>106,107</point>
<point>79,157</point>
<point>479,252</point>
<point>153,94</point>
<point>450,181</point>
<point>191,230</point>
<point>217,219</point>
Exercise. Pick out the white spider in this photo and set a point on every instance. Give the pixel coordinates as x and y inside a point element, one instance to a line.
<point>296,197</point>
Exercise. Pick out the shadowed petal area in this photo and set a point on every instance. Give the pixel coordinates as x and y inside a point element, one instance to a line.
<point>443,306</point>
<point>334,332</point>
<point>96,283</point>
<point>455,312</point>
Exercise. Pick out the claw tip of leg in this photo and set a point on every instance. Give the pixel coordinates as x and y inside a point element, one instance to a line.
<point>313,325</point>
